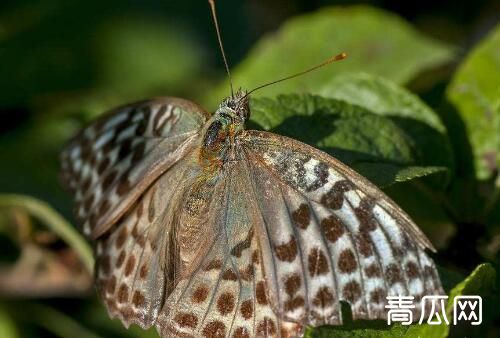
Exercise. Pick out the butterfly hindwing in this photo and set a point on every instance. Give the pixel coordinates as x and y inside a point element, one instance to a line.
<point>109,163</point>
<point>138,260</point>
<point>226,294</point>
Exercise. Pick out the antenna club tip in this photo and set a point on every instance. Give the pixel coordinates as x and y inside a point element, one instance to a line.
<point>341,56</point>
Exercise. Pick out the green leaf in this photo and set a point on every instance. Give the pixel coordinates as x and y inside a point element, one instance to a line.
<point>381,96</point>
<point>385,174</point>
<point>475,92</point>
<point>7,325</point>
<point>480,282</point>
<point>372,329</point>
<point>360,31</point>
<point>372,144</point>
<point>384,97</point>
<point>55,222</point>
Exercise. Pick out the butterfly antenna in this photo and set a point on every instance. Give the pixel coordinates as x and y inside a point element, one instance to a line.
<point>338,57</point>
<point>221,45</point>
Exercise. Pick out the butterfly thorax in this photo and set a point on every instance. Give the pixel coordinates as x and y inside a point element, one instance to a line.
<point>221,131</point>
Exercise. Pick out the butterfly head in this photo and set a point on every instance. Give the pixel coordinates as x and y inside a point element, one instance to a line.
<point>227,122</point>
<point>236,106</point>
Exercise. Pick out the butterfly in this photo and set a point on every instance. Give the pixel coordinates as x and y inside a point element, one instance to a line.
<point>205,229</point>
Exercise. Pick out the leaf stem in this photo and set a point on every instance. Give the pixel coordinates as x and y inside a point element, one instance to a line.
<point>54,221</point>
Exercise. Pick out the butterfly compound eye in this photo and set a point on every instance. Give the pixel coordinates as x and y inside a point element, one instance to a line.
<point>212,134</point>
<point>243,108</point>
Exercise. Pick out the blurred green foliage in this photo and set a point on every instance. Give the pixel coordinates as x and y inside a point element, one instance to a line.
<point>415,108</point>
<point>476,95</point>
<point>398,56</point>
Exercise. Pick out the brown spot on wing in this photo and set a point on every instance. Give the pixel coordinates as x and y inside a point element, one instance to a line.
<point>225,303</point>
<point>318,264</point>
<point>229,274</point>
<point>364,245</point>
<point>186,320</point>
<point>412,270</point>
<point>372,270</point>
<point>241,332</point>
<point>238,249</point>
<point>364,213</point>
<point>321,173</point>
<point>127,312</point>
<point>393,274</point>
<point>292,284</point>
<point>215,329</point>
<point>123,293</point>
<point>294,303</point>
<point>246,309</point>
<point>256,257</point>
<point>260,293</point>
<point>302,216</point>
<point>143,271</point>
<point>288,251</point>
<point>247,273</point>
<point>351,291</point>
<point>334,198</point>
<point>138,299</point>
<point>377,296</point>
<point>324,297</point>
<point>122,237</point>
<point>347,261</point>
<point>200,294</point>
<point>332,228</point>
<point>216,264</point>
<point>129,267</point>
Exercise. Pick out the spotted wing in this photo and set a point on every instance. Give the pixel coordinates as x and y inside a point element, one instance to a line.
<point>109,164</point>
<point>331,236</point>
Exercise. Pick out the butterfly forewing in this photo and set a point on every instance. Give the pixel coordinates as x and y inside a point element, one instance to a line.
<point>352,246</point>
<point>110,163</point>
